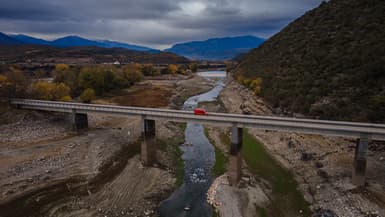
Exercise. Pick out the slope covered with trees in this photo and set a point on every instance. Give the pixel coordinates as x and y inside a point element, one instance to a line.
<point>329,63</point>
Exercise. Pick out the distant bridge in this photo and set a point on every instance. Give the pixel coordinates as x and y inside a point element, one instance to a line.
<point>364,132</point>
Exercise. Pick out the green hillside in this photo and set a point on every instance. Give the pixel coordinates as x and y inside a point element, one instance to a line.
<point>329,63</point>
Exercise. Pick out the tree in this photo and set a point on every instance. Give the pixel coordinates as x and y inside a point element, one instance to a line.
<point>149,70</point>
<point>92,77</point>
<point>4,86</point>
<point>42,90</point>
<point>50,91</point>
<point>88,95</point>
<point>132,73</point>
<point>172,69</point>
<point>61,72</point>
<point>67,75</point>
<point>18,82</point>
<point>61,91</point>
<point>194,67</point>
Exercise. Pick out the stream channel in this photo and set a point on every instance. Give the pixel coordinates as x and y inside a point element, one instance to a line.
<point>189,200</point>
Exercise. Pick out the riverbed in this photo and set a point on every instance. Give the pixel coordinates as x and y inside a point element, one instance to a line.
<point>199,157</point>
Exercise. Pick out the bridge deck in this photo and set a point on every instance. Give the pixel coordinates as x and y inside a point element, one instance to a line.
<point>309,126</point>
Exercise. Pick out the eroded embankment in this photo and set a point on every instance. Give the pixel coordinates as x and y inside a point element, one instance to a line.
<point>37,201</point>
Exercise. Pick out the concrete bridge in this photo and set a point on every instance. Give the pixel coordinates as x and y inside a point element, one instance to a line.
<point>363,132</point>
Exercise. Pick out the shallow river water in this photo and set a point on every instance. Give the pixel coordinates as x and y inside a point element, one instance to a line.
<point>199,157</point>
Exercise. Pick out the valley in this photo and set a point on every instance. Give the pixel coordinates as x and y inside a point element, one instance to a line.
<point>192,108</point>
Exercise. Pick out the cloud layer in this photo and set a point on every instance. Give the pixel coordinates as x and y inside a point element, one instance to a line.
<point>155,23</point>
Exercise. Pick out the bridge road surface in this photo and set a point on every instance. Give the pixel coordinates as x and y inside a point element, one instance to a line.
<point>307,126</point>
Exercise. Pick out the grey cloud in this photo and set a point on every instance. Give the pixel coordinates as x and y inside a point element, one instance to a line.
<point>157,23</point>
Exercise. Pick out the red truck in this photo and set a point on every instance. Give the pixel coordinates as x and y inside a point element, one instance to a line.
<point>200,111</point>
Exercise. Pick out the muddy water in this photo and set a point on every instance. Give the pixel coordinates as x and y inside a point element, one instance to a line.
<point>199,158</point>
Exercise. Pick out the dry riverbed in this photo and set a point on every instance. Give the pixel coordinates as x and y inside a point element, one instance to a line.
<point>47,170</point>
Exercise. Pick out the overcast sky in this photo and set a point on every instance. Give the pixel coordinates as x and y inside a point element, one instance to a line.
<point>154,23</point>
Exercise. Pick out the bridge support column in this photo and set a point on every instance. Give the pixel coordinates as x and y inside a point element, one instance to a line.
<point>148,147</point>
<point>79,121</point>
<point>235,162</point>
<point>359,165</point>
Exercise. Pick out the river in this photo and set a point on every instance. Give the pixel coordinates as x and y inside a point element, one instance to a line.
<point>189,200</point>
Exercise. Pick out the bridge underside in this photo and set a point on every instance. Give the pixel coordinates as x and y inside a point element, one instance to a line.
<point>79,121</point>
<point>148,149</point>
<point>148,146</point>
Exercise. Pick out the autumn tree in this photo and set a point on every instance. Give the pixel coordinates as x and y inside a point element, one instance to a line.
<point>132,73</point>
<point>67,75</point>
<point>50,91</point>
<point>172,69</point>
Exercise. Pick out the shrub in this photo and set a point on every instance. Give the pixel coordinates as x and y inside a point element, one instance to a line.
<point>88,95</point>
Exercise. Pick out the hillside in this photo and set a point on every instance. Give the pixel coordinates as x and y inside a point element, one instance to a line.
<point>6,40</point>
<point>329,63</point>
<point>76,41</point>
<point>25,39</point>
<point>34,54</point>
<point>216,48</point>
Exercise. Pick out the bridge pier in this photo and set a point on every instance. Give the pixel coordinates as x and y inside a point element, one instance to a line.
<point>235,161</point>
<point>359,165</point>
<point>148,146</point>
<point>79,121</point>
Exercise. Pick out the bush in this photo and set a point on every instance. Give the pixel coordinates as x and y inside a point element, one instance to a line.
<point>87,96</point>
<point>50,91</point>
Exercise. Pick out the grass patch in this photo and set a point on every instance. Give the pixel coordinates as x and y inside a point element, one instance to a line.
<point>172,146</point>
<point>261,212</point>
<point>179,167</point>
<point>287,199</point>
<point>221,160</point>
<point>215,213</point>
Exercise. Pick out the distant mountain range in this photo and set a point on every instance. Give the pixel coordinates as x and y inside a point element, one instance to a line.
<point>70,41</point>
<point>217,48</point>
<point>211,49</point>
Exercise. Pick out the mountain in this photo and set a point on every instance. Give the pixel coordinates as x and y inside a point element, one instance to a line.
<point>25,39</point>
<point>329,63</point>
<point>217,48</point>
<point>6,40</point>
<point>112,44</point>
<point>76,41</point>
